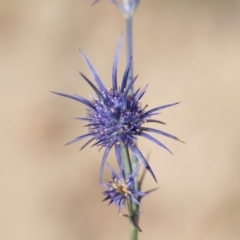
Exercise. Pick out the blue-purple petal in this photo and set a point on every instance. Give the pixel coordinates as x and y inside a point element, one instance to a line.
<point>162,133</point>
<point>141,93</point>
<point>80,138</point>
<point>140,157</point>
<point>155,121</point>
<point>87,143</point>
<point>113,174</point>
<point>115,64</point>
<point>119,160</point>
<point>160,108</point>
<point>134,173</point>
<point>149,137</point>
<point>99,94</point>
<point>134,199</point>
<point>84,119</point>
<point>77,98</point>
<point>129,86</point>
<point>104,158</point>
<point>125,76</point>
<point>97,79</point>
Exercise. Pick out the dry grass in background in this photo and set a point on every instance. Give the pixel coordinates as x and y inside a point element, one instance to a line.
<point>187,51</point>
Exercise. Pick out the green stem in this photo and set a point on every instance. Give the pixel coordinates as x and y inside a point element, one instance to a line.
<point>130,164</point>
<point>133,232</point>
<point>129,48</point>
<point>132,207</point>
<point>126,161</point>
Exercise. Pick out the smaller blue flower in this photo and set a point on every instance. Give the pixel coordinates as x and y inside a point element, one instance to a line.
<point>119,191</point>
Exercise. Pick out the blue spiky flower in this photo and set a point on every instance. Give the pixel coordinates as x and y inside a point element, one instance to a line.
<point>120,190</point>
<point>116,118</point>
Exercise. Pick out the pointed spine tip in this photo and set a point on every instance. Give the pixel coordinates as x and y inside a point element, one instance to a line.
<point>181,141</point>
<point>170,152</point>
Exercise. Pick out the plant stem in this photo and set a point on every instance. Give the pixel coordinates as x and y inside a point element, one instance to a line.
<point>132,207</point>
<point>129,54</point>
<point>133,233</point>
<point>126,161</point>
<point>129,47</point>
<point>130,164</point>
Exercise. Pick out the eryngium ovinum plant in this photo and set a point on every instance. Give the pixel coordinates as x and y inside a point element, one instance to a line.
<point>115,118</point>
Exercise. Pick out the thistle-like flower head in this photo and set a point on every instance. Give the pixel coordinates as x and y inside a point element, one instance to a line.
<point>119,191</point>
<point>115,118</point>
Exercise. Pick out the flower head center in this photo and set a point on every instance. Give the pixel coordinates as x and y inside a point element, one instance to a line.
<point>121,187</point>
<point>117,118</point>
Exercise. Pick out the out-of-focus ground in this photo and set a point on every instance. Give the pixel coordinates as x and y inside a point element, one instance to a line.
<point>187,51</point>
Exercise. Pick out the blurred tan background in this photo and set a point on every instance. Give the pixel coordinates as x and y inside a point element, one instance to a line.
<point>187,51</point>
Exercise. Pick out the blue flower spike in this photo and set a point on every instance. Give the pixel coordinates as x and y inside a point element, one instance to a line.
<point>114,118</point>
<point>119,191</point>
